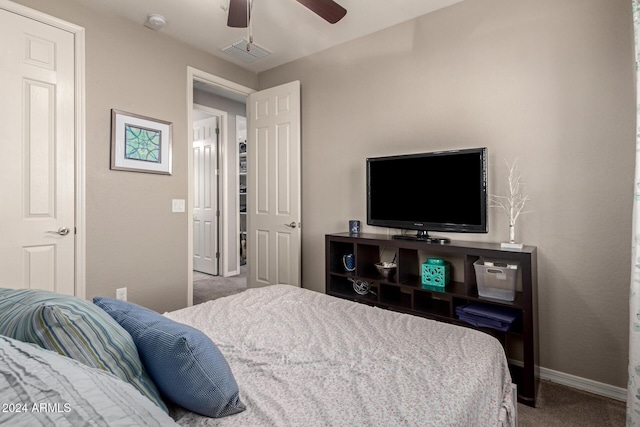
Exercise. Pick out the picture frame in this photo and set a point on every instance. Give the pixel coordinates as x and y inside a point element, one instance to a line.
<point>140,144</point>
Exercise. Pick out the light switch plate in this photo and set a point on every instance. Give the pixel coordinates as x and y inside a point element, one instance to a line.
<point>177,205</point>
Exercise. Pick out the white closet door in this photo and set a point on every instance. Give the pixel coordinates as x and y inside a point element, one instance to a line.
<point>37,167</point>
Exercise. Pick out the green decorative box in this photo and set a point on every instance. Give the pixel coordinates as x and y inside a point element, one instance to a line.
<point>435,272</point>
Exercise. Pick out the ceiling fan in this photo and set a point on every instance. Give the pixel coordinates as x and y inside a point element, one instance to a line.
<point>240,11</point>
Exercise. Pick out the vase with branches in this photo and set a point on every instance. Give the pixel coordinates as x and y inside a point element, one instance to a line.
<point>514,202</point>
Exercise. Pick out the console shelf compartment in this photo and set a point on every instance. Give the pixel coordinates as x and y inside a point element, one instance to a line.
<point>403,291</point>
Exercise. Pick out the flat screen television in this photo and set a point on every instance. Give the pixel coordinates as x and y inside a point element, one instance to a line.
<point>438,191</point>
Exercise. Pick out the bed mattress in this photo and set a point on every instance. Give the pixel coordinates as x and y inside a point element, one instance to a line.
<point>305,358</point>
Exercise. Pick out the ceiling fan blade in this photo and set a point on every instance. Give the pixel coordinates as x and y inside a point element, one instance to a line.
<point>237,14</point>
<point>329,10</point>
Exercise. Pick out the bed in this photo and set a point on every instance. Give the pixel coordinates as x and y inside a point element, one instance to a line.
<point>304,358</point>
<point>295,357</point>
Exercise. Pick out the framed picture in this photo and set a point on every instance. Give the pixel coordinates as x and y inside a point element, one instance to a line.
<point>140,144</point>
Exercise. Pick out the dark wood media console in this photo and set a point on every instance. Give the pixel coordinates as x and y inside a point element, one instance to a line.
<point>403,292</point>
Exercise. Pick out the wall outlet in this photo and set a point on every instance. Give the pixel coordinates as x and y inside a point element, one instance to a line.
<point>121,294</point>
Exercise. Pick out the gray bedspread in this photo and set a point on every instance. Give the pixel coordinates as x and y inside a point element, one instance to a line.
<point>302,358</point>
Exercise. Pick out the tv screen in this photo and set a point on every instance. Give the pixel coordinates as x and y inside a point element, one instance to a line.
<point>437,191</point>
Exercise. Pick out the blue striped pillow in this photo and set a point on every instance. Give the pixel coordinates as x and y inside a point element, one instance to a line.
<point>77,329</point>
<point>186,365</point>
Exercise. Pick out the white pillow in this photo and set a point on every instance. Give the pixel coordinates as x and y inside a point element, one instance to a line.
<point>41,387</point>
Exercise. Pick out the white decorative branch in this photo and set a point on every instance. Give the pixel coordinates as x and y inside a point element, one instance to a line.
<point>512,204</point>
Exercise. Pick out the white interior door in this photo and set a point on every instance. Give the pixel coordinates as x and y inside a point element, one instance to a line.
<point>205,199</point>
<point>273,204</point>
<point>37,169</point>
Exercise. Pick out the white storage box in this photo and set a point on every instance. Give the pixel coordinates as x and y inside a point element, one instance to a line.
<point>496,279</point>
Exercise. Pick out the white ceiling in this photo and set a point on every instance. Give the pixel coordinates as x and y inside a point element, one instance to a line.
<point>285,27</point>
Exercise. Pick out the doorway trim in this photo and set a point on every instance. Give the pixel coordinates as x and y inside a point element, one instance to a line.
<point>80,126</point>
<point>193,75</point>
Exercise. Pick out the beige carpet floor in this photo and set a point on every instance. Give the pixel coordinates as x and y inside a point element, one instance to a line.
<point>207,287</point>
<point>563,406</point>
<point>557,405</point>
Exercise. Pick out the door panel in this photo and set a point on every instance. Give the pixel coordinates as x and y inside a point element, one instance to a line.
<point>39,263</point>
<point>37,167</point>
<point>274,172</point>
<point>262,263</point>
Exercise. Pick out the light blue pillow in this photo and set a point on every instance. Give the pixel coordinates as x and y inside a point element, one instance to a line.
<point>75,328</point>
<point>185,364</point>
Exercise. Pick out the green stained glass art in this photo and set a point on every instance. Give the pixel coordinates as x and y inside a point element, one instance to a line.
<point>142,144</point>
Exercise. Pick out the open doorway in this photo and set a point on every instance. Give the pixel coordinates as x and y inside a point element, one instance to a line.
<point>273,187</point>
<point>241,137</point>
<point>226,101</point>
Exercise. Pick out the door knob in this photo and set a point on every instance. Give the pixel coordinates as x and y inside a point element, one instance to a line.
<point>291,225</point>
<point>62,231</point>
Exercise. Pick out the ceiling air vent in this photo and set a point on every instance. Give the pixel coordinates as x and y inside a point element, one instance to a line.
<point>239,51</point>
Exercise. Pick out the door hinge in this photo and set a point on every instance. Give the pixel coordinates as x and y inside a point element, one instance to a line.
<point>217,255</point>
<point>217,131</point>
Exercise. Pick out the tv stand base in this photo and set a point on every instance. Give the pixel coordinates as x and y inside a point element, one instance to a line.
<point>423,238</point>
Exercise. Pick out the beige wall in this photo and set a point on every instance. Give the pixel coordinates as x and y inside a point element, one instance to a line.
<point>548,82</point>
<point>133,239</point>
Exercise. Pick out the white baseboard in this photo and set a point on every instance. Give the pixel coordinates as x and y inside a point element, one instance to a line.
<point>595,387</point>
<point>591,386</point>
